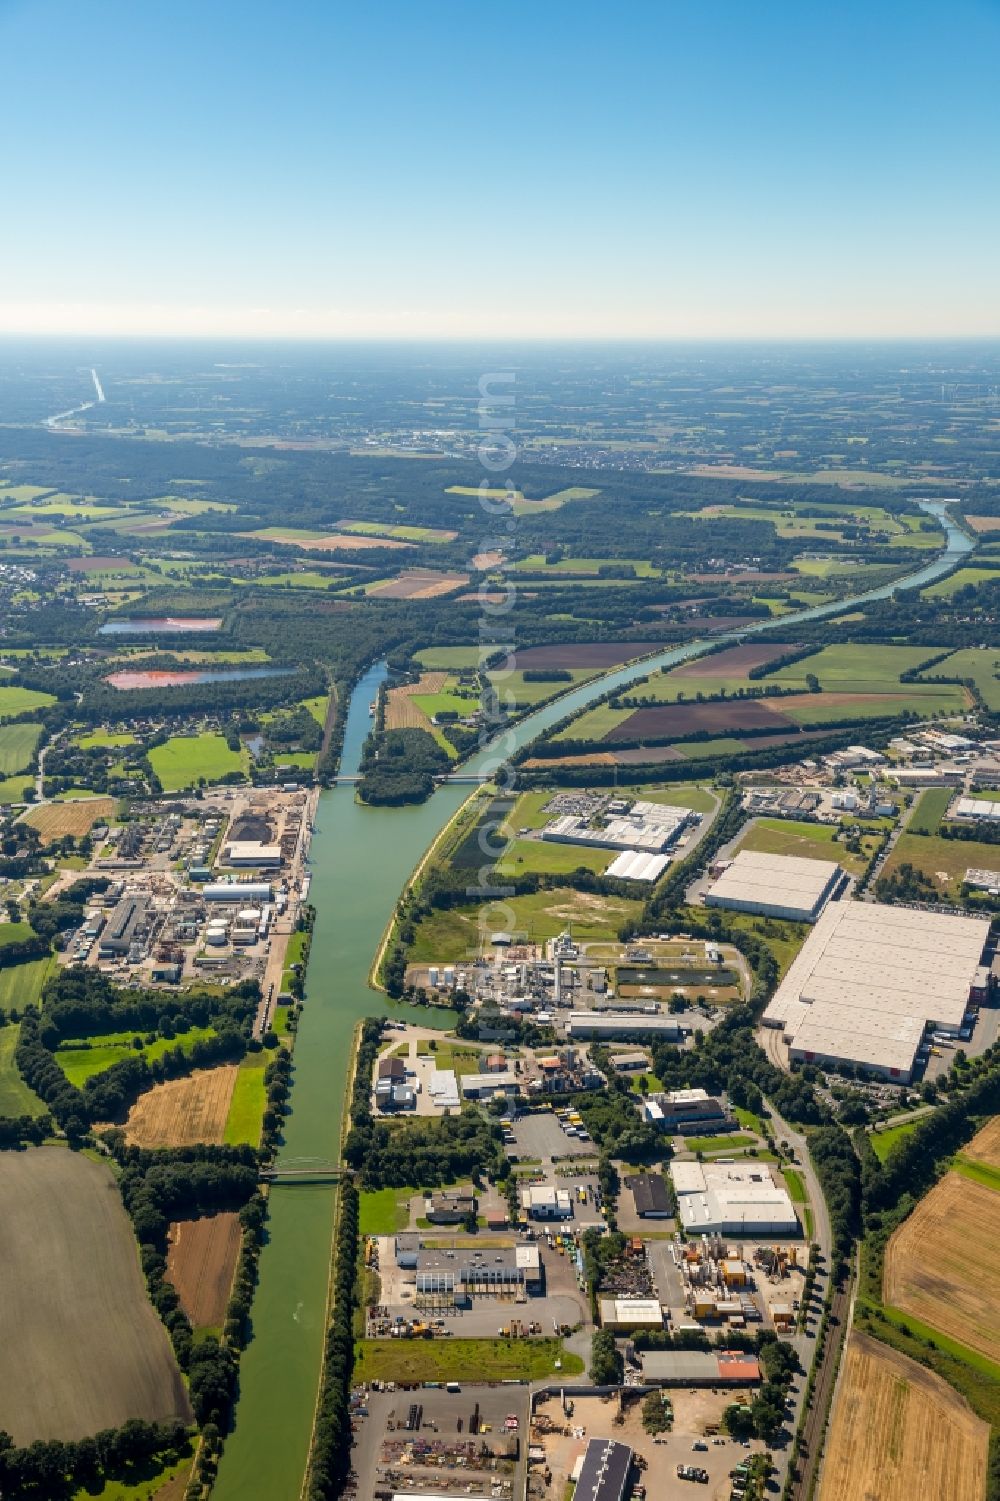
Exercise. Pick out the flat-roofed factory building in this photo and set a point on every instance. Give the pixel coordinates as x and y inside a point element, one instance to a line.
<point>732,1198</point>
<point>871,980</point>
<point>604,1474</point>
<point>775,885</point>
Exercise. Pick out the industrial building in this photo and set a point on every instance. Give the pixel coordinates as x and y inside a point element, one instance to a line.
<point>975,809</point>
<point>775,885</point>
<point>485,1086</point>
<point>649,1194</point>
<point>872,980</point>
<point>626,1315</point>
<point>237,891</point>
<point>459,1275</point>
<point>686,1112</point>
<point>638,865</point>
<point>699,1368</point>
<point>604,1474</point>
<point>250,852</point>
<point>450,1208</point>
<point>645,828</point>
<point>123,926</point>
<point>732,1198</point>
<point>540,1202</point>
<point>605,1024</point>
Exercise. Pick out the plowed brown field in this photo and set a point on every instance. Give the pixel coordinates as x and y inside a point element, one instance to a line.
<point>418,583</point>
<point>900,1432</point>
<point>401,713</point>
<point>943,1263</point>
<point>183,1111</point>
<point>985,1145</point>
<point>201,1259</point>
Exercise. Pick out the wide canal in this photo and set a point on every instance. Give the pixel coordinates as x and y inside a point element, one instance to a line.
<point>361,860</point>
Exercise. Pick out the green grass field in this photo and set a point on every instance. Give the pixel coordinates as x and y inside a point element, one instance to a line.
<point>523,856</point>
<point>79,1061</point>
<point>383,1211</point>
<point>795,1185</point>
<point>246,1110</point>
<point>855,668</point>
<point>17,746</point>
<point>15,700</point>
<point>448,658</point>
<point>945,588</point>
<point>450,935</point>
<point>101,739</point>
<point>736,1141</point>
<point>14,932</point>
<point>882,1142</point>
<point>306,579</point>
<point>535,563</point>
<point>399,533</point>
<point>783,836</point>
<point>594,724</point>
<point>512,687</point>
<point>183,761</point>
<point>933,805</point>
<point>945,861</point>
<point>15,1096</point>
<point>982,665</point>
<point>475,1360</point>
<point>523,507</point>
<point>21,984</point>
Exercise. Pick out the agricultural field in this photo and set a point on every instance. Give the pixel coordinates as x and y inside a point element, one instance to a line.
<point>898,1431</point>
<point>945,861</point>
<point>77,817</point>
<point>17,746</point>
<point>810,841</point>
<point>984,1148</point>
<point>181,1112</point>
<point>21,984</point>
<point>15,700</point>
<point>955,1290</point>
<point>535,563</point>
<point>452,935</point>
<point>13,789</point>
<point>524,856</point>
<point>104,739</point>
<point>82,1349</point>
<point>400,533</point>
<point>297,536</point>
<point>933,805</point>
<point>856,668</point>
<point>81,1059</point>
<point>449,658</point>
<point>946,587</point>
<point>462,1360</point>
<point>182,761</point>
<point>415,583</point>
<point>981,664</point>
<point>245,1119</point>
<point>201,1260</point>
<point>15,1096</point>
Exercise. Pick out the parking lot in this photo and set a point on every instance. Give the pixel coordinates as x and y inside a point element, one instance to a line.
<point>443,1455</point>
<point>541,1138</point>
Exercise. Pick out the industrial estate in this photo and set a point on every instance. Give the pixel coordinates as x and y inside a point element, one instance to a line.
<point>561,1063</point>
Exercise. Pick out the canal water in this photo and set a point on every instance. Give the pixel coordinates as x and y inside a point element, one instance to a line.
<point>361,860</point>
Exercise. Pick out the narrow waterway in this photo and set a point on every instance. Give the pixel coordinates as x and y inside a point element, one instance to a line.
<point>361,860</point>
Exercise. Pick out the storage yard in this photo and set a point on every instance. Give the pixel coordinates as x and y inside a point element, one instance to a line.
<point>899,1432</point>
<point>871,980</point>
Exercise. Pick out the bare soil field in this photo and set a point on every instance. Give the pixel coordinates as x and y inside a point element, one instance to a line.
<point>583,654</point>
<point>81,1348</point>
<point>899,1431</point>
<point>485,560</point>
<point>734,663</point>
<point>339,542</point>
<point>96,564</point>
<point>418,583</point>
<point>750,576</point>
<point>201,1260</point>
<point>76,818</point>
<point>984,523</point>
<point>599,758</point>
<point>985,1145</point>
<point>647,755</point>
<point>720,718</point>
<point>182,1112</point>
<point>942,1265</point>
<point>401,713</point>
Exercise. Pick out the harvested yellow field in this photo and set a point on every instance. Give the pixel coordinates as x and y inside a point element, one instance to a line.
<point>899,1432</point>
<point>942,1265</point>
<point>984,523</point>
<point>182,1112</point>
<point>76,818</point>
<point>401,713</point>
<point>985,1145</point>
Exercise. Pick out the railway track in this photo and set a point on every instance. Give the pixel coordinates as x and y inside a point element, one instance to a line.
<point>806,1467</point>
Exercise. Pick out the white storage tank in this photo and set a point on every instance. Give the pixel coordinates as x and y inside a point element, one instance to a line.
<point>215,935</point>
<point>248,916</point>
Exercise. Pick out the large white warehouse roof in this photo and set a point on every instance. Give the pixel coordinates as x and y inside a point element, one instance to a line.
<point>732,1199</point>
<point>779,884</point>
<point>870,979</point>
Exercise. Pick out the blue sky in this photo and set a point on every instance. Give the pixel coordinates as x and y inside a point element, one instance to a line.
<point>687,168</point>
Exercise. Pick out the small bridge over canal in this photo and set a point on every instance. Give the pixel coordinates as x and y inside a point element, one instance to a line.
<point>290,1170</point>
